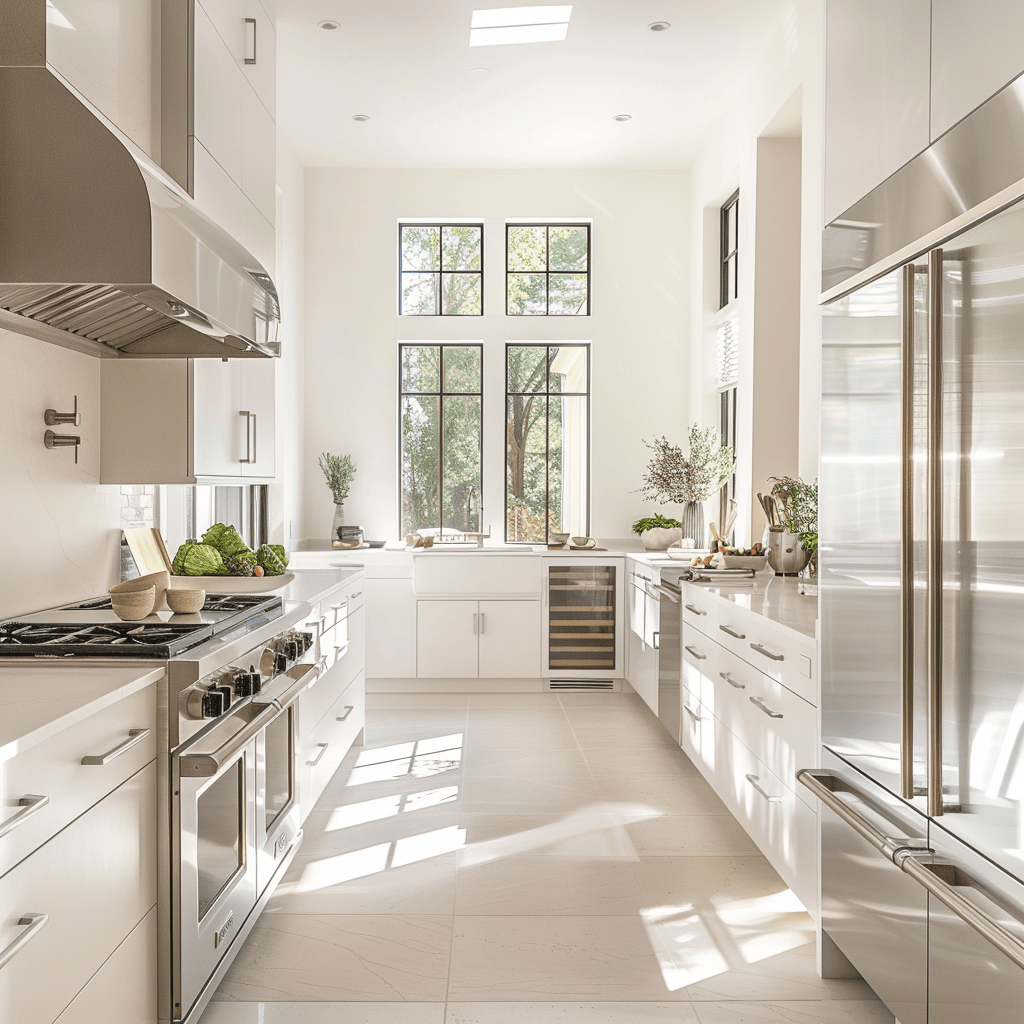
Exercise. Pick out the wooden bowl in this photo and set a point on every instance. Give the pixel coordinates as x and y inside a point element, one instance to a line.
<point>755,562</point>
<point>160,581</point>
<point>185,601</point>
<point>133,604</point>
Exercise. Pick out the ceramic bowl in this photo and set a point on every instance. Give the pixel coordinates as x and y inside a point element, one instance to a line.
<point>755,562</point>
<point>160,581</point>
<point>133,604</point>
<point>185,601</point>
<point>559,538</point>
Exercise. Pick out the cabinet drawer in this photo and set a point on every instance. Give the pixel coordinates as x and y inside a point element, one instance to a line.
<point>344,663</point>
<point>698,661</point>
<point>700,609</point>
<point>96,880</point>
<point>54,769</point>
<point>330,740</point>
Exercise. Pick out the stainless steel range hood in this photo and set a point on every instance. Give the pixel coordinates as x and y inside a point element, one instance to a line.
<point>99,251</point>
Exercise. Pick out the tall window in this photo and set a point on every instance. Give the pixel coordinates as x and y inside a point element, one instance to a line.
<point>440,269</point>
<point>730,234</point>
<point>728,359</point>
<point>547,269</point>
<point>547,441</point>
<point>440,437</point>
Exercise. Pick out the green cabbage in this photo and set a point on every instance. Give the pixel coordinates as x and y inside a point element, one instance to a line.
<point>195,559</point>
<point>269,559</point>
<point>225,539</point>
<point>279,550</point>
<point>178,565</point>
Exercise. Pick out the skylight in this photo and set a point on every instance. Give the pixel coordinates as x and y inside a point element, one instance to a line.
<point>505,25</point>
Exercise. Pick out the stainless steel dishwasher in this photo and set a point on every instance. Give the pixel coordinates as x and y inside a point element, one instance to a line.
<point>669,651</point>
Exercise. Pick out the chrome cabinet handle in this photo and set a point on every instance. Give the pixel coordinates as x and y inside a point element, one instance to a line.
<point>349,708</point>
<point>475,624</point>
<point>907,535</point>
<point>251,22</point>
<point>696,653</point>
<point>248,435</point>
<point>930,875</point>
<point>732,632</point>
<point>761,649</point>
<point>252,423</point>
<point>696,611</point>
<point>759,703</point>
<point>316,760</point>
<point>732,682</point>
<point>340,652</point>
<point>656,640</point>
<point>692,714</point>
<point>319,622</point>
<point>134,736</point>
<point>30,804</point>
<point>664,591</point>
<point>357,593</point>
<point>34,924</point>
<point>483,622</point>
<point>755,781</point>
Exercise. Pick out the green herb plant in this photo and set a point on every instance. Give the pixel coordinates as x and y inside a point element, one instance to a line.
<point>798,504</point>
<point>338,470</point>
<point>656,522</point>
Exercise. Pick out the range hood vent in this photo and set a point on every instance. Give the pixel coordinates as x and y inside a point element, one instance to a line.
<point>102,251</point>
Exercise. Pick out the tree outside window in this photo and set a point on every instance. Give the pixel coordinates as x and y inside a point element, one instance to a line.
<point>440,269</point>
<point>547,269</point>
<point>547,436</point>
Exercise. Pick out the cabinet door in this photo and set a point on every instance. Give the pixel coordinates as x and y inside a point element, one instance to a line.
<point>509,639</point>
<point>257,399</point>
<point>877,66</point>
<point>218,97</point>
<point>218,432</point>
<point>446,639</point>
<point>977,48</point>
<point>259,154</point>
<point>261,75</point>
<point>390,629</point>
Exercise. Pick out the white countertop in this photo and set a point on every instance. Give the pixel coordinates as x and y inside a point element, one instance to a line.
<point>777,598</point>
<point>41,699</point>
<point>310,585</point>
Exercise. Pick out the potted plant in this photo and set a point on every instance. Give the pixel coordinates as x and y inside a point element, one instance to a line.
<point>793,541</point>
<point>338,471</point>
<point>657,532</point>
<point>672,477</point>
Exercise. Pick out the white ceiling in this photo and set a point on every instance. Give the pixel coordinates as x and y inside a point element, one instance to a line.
<point>405,63</point>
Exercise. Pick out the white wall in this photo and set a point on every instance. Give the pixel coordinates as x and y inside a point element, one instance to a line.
<point>59,529</point>
<point>640,275</point>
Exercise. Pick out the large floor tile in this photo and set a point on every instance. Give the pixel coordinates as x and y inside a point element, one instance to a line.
<point>324,1013</point>
<point>570,1013</point>
<point>546,735</point>
<point>868,1011</point>
<point>639,760</point>
<point>484,760</point>
<point>600,700</point>
<point>674,835</point>
<point>515,701</point>
<point>516,718</point>
<point>342,958</point>
<point>415,701</point>
<point>683,795</point>
<point>545,886</point>
<point>563,793</point>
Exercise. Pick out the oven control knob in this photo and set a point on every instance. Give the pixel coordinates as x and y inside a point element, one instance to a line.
<point>206,704</point>
<point>247,684</point>
<point>305,641</point>
<point>280,662</point>
<point>291,650</point>
<point>227,692</point>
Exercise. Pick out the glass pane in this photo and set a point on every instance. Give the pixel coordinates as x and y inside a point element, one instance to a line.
<point>568,369</point>
<point>462,369</point>
<point>568,465</point>
<point>568,295</point>
<point>460,247</point>
<point>421,462</point>
<point>734,221</point>
<point>279,765</point>
<point>419,294</point>
<point>527,249</point>
<point>526,468</point>
<point>460,295</point>
<point>567,248</point>
<point>421,248</point>
<point>219,826</point>
<point>421,368</point>
<point>526,367</point>
<point>462,486</point>
<point>527,294</point>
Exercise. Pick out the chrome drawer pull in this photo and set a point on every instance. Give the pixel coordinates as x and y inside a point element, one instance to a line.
<point>349,708</point>
<point>318,622</point>
<point>316,760</point>
<point>696,611</point>
<point>759,703</point>
<point>134,736</point>
<point>693,714</point>
<point>29,805</point>
<point>755,781</point>
<point>358,593</point>
<point>697,654</point>
<point>340,651</point>
<point>732,682</point>
<point>768,654</point>
<point>732,632</point>
<point>656,640</point>
<point>35,924</point>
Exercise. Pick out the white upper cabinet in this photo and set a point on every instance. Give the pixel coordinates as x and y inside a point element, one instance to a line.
<point>218,97</point>
<point>977,48</point>
<point>260,50</point>
<point>876,94</point>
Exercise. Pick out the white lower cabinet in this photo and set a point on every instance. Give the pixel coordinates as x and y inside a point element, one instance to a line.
<point>509,639</point>
<point>390,628</point>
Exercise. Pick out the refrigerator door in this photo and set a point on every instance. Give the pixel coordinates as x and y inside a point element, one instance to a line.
<point>968,979</point>
<point>981,688</point>
<point>860,528</point>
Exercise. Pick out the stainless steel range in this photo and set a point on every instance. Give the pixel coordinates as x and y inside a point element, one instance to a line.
<point>226,717</point>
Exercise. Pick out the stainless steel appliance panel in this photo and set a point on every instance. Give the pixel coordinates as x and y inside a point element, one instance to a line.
<point>969,980</point>
<point>874,912</point>
<point>670,656</point>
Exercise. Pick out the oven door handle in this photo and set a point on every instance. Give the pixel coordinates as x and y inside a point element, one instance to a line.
<point>309,676</point>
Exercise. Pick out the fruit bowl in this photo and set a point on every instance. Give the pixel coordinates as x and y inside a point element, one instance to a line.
<point>233,584</point>
<point>755,562</point>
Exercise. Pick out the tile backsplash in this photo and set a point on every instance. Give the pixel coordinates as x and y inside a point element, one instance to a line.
<point>59,527</point>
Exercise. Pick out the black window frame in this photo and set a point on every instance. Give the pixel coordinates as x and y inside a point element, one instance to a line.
<point>729,215</point>
<point>548,394</point>
<point>547,225</point>
<point>441,393</point>
<point>440,272</point>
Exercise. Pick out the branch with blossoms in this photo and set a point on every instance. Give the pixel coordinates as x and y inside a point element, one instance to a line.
<point>672,478</point>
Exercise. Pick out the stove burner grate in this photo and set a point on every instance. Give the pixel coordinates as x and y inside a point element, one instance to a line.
<point>124,639</point>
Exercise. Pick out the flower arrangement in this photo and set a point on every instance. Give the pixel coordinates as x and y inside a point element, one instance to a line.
<point>798,508</point>
<point>672,477</point>
<point>338,470</point>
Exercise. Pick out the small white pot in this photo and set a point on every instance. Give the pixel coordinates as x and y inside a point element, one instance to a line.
<point>660,538</point>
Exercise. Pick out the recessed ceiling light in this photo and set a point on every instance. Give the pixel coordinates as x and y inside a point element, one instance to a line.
<point>659,26</point>
<point>329,26</point>
<point>505,25</point>
<point>623,117</point>
<point>360,117</point>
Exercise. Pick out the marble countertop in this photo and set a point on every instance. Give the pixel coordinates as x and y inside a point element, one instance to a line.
<point>310,585</point>
<point>41,699</point>
<point>777,598</point>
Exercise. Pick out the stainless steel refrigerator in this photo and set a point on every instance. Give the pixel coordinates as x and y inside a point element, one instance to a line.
<point>922,586</point>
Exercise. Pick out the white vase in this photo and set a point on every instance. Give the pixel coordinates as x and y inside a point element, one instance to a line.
<point>660,538</point>
<point>339,519</point>
<point>693,522</point>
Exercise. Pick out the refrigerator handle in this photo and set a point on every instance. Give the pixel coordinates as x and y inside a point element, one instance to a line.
<point>907,533</point>
<point>825,786</point>
<point>940,880</point>
<point>934,603</point>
